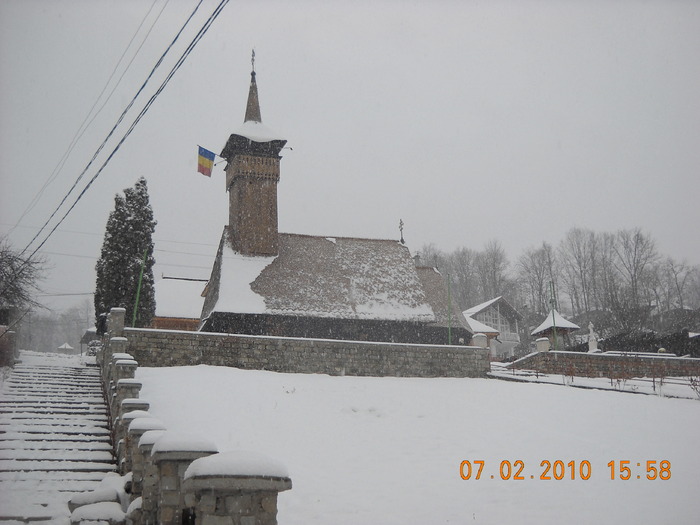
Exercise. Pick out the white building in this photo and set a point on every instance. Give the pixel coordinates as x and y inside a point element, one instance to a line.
<point>501,322</point>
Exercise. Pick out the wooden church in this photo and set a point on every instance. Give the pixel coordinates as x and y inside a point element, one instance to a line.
<point>268,283</point>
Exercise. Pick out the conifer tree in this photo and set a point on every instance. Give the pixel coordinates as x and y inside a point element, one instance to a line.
<point>128,237</point>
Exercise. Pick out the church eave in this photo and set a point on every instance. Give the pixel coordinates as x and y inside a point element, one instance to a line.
<point>241,145</point>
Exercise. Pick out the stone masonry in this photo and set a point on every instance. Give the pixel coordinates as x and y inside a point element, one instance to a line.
<point>317,356</point>
<point>608,365</point>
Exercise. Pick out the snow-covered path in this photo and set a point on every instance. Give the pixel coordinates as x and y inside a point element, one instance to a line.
<point>54,437</point>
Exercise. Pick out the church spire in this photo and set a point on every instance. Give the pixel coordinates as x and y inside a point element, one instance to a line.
<point>252,174</point>
<point>252,110</point>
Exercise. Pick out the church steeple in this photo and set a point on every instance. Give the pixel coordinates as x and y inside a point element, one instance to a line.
<point>252,174</point>
<point>252,110</point>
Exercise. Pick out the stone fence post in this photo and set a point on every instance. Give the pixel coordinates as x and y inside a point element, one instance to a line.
<point>480,340</point>
<point>125,389</point>
<point>115,322</point>
<point>137,428</point>
<point>235,488</point>
<point>145,476</point>
<point>542,344</point>
<point>172,455</point>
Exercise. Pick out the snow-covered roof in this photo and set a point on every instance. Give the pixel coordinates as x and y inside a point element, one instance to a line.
<point>483,306</point>
<point>478,327</point>
<point>479,307</point>
<point>181,298</point>
<point>554,318</point>
<point>343,278</point>
<point>257,132</point>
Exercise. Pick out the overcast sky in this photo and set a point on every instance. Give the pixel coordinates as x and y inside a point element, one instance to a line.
<point>470,121</point>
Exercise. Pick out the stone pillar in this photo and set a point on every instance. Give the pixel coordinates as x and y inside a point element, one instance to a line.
<point>172,454</point>
<point>133,403</point>
<point>133,461</point>
<point>145,481</point>
<point>235,488</point>
<point>542,344</point>
<point>115,322</point>
<point>125,388</point>
<point>114,350</point>
<point>122,422</point>
<point>125,369</point>
<point>480,340</point>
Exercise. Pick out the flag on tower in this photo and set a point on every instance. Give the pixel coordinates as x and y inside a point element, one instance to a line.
<point>205,161</point>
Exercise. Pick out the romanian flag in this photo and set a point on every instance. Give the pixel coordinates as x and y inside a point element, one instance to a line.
<point>205,162</point>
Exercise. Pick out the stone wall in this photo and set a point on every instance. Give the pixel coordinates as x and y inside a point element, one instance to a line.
<point>612,365</point>
<point>318,356</point>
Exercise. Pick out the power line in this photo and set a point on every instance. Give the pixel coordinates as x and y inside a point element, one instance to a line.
<point>203,30</point>
<point>210,255</point>
<point>109,135</point>
<point>148,105</point>
<point>83,127</point>
<point>63,294</point>
<point>95,234</point>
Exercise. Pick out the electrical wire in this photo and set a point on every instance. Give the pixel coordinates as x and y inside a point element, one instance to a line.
<point>203,30</point>
<point>148,105</point>
<point>109,135</point>
<point>83,126</point>
<point>95,234</point>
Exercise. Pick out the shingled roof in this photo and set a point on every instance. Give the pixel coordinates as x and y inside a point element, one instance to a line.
<point>436,293</point>
<point>327,277</point>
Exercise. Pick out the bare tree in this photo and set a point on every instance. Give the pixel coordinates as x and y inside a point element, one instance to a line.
<point>431,255</point>
<point>635,251</point>
<point>19,277</point>
<point>693,288</point>
<point>607,282</point>
<point>680,275</point>
<point>577,256</point>
<point>461,265</point>
<point>492,267</point>
<point>535,271</point>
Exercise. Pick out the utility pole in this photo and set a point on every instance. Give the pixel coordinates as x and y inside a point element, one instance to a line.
<point>449,311</point>
<point>138,289</point>
<point>553,303</point>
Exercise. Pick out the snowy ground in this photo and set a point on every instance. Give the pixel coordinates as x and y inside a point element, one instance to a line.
<point>388,450</point>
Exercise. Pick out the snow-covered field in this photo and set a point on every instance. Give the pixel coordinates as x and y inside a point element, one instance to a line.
<point>388,450</point>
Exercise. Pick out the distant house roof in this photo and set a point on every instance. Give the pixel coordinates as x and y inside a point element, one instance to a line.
<point>330,277</point>
<point>435,289</point>
<point>504,306</point>
<point>89,335</point>
<point>179,297</point>
<point>554,319</point>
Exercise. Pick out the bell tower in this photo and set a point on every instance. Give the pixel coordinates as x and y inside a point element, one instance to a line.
<point>252,174</point>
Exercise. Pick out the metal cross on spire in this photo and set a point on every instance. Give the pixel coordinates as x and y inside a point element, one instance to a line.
<point>252,60</point>
<point>401,230</point>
